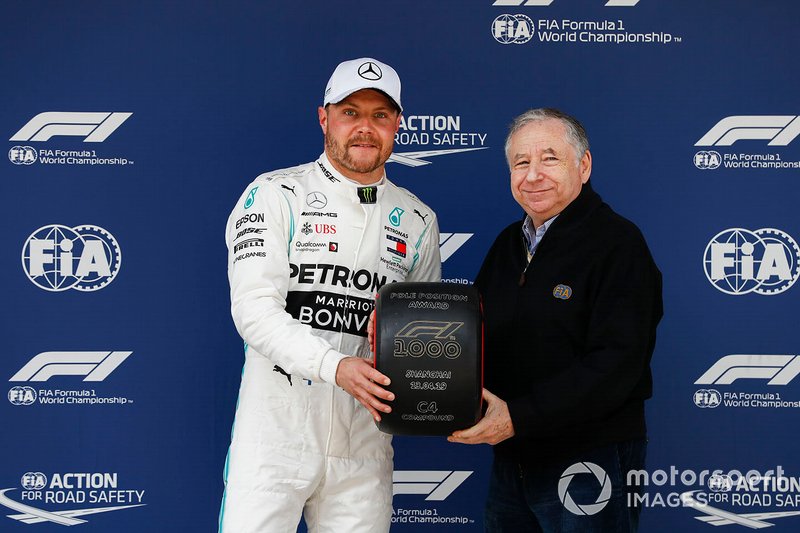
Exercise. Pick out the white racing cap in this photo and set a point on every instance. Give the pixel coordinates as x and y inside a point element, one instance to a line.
<point>364,73</point>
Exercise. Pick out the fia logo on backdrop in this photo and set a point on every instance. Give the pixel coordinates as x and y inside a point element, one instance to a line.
<point>513,29</point>
<point>545,29</point>
<point>58,258</point>
<point>739,261</point>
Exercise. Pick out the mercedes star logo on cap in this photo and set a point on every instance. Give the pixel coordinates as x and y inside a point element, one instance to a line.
<point>370,71</point>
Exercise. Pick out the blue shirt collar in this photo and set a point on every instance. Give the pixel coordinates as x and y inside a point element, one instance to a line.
<point>533,236</point>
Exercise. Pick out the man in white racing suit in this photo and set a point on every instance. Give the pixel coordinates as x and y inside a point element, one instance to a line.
<point>308,248</point>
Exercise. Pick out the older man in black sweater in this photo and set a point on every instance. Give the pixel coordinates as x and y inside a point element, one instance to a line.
<point>572,299</point>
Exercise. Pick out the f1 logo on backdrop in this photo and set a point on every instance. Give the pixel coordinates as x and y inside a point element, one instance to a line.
<point>609,3</point>
<point>765,261</point>
<point>57,258</point>
<point>95,127</point>
<point>778,369</point>
<point>437,485</point>
<point>449,243</point>
<point>94,366</point>
<point>779,130</point>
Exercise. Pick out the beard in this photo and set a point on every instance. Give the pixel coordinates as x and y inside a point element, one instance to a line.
<point>340,155</point>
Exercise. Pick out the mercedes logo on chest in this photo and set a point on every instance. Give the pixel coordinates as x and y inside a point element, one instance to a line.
<point>316,199</point>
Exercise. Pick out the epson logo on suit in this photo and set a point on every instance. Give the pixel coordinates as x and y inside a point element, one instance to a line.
<point>252,218</point>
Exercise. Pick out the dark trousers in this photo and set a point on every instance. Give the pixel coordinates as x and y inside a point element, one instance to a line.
<point>585,493</point>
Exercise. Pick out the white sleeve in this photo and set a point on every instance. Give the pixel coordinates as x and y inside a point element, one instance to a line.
<point>258,236</point>
<point>428,265</point>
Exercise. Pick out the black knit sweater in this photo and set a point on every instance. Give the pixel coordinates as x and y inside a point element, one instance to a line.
<point>569,338</point>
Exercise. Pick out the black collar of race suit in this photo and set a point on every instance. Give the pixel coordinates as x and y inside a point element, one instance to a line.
<point>368,194</point>
<point>364,194</point>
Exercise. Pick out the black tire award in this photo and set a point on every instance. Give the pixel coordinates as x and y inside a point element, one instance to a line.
<point>429,342</point>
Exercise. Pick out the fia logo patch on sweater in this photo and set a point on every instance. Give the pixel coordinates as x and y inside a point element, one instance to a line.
<point>562,292</point>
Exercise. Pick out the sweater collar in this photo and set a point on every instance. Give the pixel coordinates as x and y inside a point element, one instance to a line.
<point>586,202</point>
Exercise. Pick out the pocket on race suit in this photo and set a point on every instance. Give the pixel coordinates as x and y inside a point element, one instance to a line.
<point>280,410</point>
<point>365,439</point>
